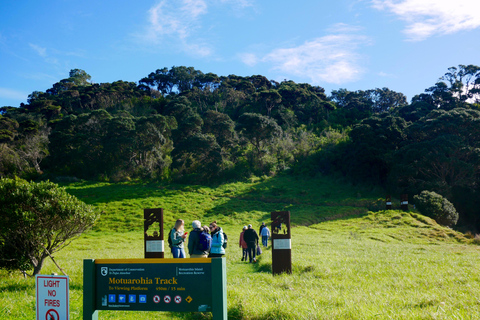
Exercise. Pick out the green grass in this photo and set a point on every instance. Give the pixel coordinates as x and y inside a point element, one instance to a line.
<point>348,262</point>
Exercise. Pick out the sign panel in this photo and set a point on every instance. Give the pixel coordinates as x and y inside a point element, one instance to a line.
<point>154,246</point>
<point>52,297</point>
<point>139,286</point>
<point>282,244</point>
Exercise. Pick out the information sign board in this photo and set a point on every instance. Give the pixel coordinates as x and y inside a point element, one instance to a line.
<point>151,287</point>
<point>176,285</point>
<point>52,297</point>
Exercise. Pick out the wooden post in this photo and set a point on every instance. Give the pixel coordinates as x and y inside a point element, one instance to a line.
<point>281,242</point>
<point>153,242</point>
<point>388,202</point>
<point>219,292</point>
<point>404,203</point>
<point>90,311</point>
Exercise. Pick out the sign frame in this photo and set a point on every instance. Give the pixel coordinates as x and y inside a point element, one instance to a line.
<point>217,280</point>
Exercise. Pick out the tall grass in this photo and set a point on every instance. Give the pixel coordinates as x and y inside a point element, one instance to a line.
<point>348,262</point>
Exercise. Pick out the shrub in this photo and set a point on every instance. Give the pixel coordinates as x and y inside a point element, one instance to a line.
<point>37,220</point>
<point>435,206</point>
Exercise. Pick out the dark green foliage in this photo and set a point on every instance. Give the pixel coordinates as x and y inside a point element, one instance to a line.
<point>372,143</point>
<point>37,220</point>
<point>258,129</point>
<point>181,123</point>
<point>435,206</point>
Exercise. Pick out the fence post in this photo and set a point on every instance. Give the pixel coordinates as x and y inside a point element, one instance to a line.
<point>89,310</point>
<point>219,289</point>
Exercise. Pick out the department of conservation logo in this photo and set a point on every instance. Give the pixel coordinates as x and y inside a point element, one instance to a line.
<point>104,271</point>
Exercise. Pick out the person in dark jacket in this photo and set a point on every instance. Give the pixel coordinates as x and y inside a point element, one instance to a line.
<point>261,228</point>
<point>251,238</point>
<point>193,240</point>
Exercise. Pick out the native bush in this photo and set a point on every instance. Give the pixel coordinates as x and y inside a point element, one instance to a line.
<point>37,220</point>
<point>433,205</point>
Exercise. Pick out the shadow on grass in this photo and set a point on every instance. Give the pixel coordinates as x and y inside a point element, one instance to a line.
<point>310,200</point>
<point>17,287</point>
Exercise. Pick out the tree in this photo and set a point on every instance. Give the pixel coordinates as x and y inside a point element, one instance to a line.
<point>258,129</point>
<point>458,87</point>
<point>79,77</point>
<point>269,98</point>
<point>464,82</point>
<point>221,126</point>
<point>197,154</point>
<point>385,99</point>
<point>352,106</point>
<point>435,206</point>
<point>442,153</point>
<point>37,220</point>
<point>373,141</point>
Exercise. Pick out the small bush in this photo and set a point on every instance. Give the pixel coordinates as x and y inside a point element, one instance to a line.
<point>435,206</point>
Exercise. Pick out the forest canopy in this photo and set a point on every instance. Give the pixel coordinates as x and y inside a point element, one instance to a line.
<point>181,124</point>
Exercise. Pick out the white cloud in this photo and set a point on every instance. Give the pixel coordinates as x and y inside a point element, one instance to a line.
<point>42,52</point>
<point>426,18</point>
<point>332,58</point>
<point>249,59</point>
<point>386,75</point>
<point>239,3</point>
<point>180,24</point>
<point>177,22</point>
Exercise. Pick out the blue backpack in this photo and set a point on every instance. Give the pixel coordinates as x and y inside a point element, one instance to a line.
<point>204,241</point>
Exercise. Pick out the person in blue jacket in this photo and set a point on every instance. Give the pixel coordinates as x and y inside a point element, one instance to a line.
<point>218,238</point>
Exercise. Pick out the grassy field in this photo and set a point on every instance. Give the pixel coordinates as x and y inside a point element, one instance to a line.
<point>349,262</point>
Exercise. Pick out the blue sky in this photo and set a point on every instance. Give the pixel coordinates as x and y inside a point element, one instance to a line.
<point>404,45</point>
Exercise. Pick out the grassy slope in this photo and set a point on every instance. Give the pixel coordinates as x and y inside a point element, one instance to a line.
<point>348,263</point>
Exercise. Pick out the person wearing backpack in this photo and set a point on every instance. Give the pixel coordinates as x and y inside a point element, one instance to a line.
<point>199,241</point>
<point>218,240</point>
<point>176,239</point>
<point>251,238</point>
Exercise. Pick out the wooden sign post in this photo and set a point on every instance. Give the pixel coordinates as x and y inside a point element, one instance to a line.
<point>404,203</point>
<point>388,202</point>
<point>281,242</point>
<point>153,239</point>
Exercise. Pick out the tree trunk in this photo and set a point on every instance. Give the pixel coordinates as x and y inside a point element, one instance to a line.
<point>39,265</point>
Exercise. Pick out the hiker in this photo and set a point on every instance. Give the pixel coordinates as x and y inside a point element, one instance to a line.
<point>198,246</point>
<point>261,228</point>
<point>177,238</point>
<point>218,240</point>
<point>251,238</point>
<point>265,235</point>
<point>242,244</point>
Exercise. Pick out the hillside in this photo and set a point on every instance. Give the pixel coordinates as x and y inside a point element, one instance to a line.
<point>185,126</point>
<point>348,262</point>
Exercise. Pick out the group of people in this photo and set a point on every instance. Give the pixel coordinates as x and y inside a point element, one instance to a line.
<point>210,241</point>
<point>249,241</point>
<point>203,241</point>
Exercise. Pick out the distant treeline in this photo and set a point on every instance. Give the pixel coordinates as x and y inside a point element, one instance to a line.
<point>181,124</point>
